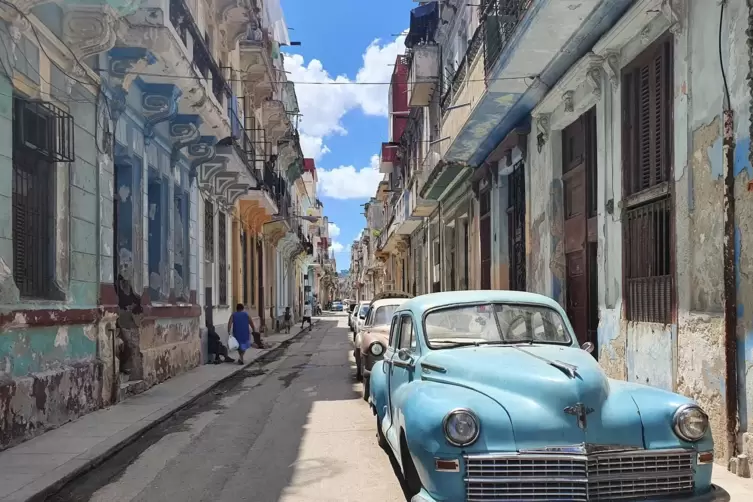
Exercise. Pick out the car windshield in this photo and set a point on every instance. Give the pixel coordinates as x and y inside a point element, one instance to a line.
<point>383,315</point>
<point>494,324</point>
<point>364,310</point>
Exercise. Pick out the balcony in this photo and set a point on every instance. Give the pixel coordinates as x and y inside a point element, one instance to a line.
<point>517,39</point>
<point>389,157</point>
<point>276,120</point>
<point>404,223</point>
<point>256,61</point>
<point>423,77</point>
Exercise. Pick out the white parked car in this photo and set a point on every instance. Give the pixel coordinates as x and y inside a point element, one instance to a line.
<point>359,315</point>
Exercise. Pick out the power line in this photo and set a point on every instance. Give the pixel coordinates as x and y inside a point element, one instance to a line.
<point>329,82</point>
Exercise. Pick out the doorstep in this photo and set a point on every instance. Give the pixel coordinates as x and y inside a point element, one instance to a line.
<point>47,462</point>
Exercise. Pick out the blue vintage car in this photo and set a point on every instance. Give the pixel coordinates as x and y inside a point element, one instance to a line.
<point>486,396</point>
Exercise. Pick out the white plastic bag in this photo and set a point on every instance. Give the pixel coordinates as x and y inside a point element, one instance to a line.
<point>232,343</point>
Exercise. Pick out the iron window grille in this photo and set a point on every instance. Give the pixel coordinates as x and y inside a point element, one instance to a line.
<point>44,128</point>
<point>208,231</point>
<point>648,242</point>
<point>222,257</point>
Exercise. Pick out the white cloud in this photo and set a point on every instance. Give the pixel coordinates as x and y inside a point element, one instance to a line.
<point>336,247</point>
<point>324,104</point>
<point>347,182</point>
<point>313,147</point>
<point>334,230</point>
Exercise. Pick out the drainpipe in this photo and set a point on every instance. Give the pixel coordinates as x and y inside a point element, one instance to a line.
<point>730,284</point>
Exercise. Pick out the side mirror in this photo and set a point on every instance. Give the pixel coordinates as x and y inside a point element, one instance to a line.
<point>404,355</point>
<point>588,347</point>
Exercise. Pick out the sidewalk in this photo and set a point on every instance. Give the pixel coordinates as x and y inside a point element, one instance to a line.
<point>54,458</point>
<point>739,489</point>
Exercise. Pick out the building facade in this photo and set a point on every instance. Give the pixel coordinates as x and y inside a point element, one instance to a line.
<point>154,180</point>
<point>602,160</point>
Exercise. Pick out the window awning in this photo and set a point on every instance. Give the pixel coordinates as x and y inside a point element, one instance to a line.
<point>424,21</point>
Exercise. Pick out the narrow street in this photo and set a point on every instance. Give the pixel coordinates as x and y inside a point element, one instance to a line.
<point>292,428</point>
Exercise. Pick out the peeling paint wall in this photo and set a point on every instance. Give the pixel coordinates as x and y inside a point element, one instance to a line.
<point>56,354</point>
<point>686,356</point>
<point>169,347</point>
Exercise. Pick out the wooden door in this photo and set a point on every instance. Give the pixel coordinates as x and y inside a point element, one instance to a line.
<point>579,183</point>
<point>516,226</point>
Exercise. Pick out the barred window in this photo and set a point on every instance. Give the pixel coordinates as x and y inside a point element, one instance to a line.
<point>647,193</point>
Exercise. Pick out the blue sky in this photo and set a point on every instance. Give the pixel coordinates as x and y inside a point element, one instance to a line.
<point>343,126</point>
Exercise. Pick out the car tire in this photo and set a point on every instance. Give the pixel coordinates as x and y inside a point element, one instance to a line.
<point>410,474</point>
<point>381,440</point>
<point>366,388</point>
<point>357,355</point>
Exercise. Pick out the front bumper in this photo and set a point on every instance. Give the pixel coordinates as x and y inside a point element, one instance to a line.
<point>716,494</point>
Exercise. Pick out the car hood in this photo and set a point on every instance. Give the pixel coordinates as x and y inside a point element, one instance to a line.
<point>541,387</point>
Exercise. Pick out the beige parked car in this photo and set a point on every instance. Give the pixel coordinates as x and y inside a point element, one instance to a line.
<point>372,339</point>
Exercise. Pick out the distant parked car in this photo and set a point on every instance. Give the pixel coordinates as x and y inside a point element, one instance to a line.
<point>352,309</point>
<point>359,316</point>
<point>486,395</point>
<point>372,340</point>
<point>337,306</point>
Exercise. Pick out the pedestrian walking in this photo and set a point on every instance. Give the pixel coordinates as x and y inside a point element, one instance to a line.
<point>306,314</point>
<point>242,327</point>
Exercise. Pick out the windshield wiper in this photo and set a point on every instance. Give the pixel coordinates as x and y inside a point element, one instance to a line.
<point>448,344</point>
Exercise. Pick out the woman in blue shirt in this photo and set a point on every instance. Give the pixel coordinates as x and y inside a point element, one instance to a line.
<point>242,327</point>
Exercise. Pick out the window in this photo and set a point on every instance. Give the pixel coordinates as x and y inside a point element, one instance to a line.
<point>382,315</point>
<point>33,222</point>
<point>647,194</point>
<point>181,244</point>
<point>222,257</point>
<point>406,333</point>
<point>393,332</point>
<point>208,231</point>
<point>157,227</point>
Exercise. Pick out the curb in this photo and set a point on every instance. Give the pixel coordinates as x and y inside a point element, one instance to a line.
<point>88,461</point>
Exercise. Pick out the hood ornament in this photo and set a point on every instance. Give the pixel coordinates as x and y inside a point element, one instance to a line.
<point>581,412</point>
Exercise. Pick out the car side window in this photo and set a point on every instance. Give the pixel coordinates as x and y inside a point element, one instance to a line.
<point>393,332</point>
<point>406,333</point>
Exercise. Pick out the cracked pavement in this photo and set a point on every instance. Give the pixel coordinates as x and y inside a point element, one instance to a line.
<point>292,428</point>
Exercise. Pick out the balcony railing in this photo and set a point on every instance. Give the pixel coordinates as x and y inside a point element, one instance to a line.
<point>455,81</point>
<point>242,142</point>
<point>184,24</point>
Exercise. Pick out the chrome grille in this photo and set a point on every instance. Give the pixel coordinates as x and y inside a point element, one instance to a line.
<point>627,475</point>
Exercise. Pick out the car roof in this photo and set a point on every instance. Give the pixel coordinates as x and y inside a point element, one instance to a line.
<point>364,302</point>
<point>388,301</point>
<point>419,304</point>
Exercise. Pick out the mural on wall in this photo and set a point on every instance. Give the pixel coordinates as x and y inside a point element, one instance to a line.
<point>557,260</point>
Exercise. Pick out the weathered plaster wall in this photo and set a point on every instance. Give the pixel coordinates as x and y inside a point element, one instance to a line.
<point>688,356</point>
<point>169,347</point>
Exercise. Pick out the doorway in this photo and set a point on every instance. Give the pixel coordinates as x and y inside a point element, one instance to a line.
<point>580,229</point>
<point>516,226</point>
<point>485,240</point>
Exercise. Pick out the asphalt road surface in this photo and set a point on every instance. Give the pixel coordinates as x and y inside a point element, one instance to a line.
<point>290,428</point>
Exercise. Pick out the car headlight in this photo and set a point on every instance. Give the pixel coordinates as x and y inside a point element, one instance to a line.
<point>461,427</point>
<point>690,422</point>
<point>377,349</point>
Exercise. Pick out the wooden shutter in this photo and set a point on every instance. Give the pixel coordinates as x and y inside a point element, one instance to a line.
<point>648,115</point>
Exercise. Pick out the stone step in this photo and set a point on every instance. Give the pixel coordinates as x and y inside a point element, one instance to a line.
<point>131,388</point>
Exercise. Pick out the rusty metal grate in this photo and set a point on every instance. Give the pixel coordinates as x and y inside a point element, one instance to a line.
<point>44,128</point>
<point>648,271</point>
